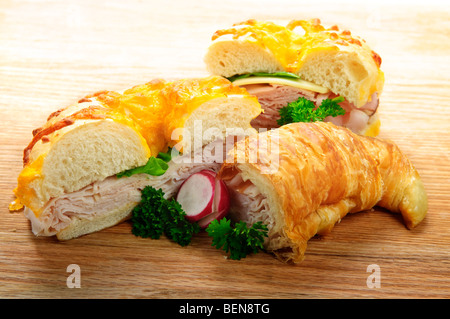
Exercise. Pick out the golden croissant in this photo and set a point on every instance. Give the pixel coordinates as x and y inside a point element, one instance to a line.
<point>308,176</point>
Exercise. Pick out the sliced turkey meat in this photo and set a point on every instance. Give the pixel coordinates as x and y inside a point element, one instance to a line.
<point>248,204</point>
<point>102,197</point>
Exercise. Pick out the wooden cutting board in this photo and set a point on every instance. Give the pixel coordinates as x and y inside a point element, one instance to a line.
<point>53,53</point>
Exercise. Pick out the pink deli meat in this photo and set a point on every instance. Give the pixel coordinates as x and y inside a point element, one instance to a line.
<point>273,97</point>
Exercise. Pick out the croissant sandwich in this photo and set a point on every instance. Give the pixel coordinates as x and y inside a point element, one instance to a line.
<point>319,172</point>
<point>69,184</point>
<point>303,60</point>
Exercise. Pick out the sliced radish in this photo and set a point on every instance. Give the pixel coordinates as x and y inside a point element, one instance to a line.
<point>221,204</point>
<point>204,198</point>
<point>213,174</point>
<point>196,195</point>
<point>221,198</point>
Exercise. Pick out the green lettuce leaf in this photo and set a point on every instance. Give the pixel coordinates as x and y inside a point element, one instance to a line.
<point>155,166</point>
<point>286,75</point>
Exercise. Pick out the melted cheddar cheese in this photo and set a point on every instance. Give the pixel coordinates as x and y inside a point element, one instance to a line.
<point>158,108</point>
<point>289,47</point>
<point>25,194</point>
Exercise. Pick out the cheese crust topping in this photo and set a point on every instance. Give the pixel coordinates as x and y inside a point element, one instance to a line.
<point>290,47</point>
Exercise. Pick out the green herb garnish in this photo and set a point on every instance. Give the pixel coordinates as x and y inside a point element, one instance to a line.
<point>155,166</point>
<point>304,110</point>
<point>286,75</point>
<point>239,240</point>
<point>155,216</point>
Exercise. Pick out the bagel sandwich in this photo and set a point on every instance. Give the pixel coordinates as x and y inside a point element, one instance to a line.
<point>302,60</point>
<point>69,184</point>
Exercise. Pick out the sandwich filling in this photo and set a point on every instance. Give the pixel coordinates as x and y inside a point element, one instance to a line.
<point>250,205</point>
<point>273,97</point>
<point>103,197</point>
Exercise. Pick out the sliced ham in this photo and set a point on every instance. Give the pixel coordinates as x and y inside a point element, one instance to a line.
<point>357,120</point>
<point>371,106</point>
<point>273,97</point>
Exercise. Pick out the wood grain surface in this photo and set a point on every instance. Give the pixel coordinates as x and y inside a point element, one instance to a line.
<point>54,52</point>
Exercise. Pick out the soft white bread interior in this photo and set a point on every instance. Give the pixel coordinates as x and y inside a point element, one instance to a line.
<point>335,60</point>
<point>76,156</point>
<point>228,57</point>
<point>218,118</point>
<point>91,152</point>
<point>350,73</point>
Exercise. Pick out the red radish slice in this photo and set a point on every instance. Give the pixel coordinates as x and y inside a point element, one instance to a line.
<point>205,171</point>
<point>196,195</point>
<point>204,198</point>
<point>221,198</point>
<point>221,204</point>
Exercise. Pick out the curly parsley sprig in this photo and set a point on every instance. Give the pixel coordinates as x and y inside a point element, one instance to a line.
<point>239,240</point>
<point>155,216</point>
<point>304,110</point>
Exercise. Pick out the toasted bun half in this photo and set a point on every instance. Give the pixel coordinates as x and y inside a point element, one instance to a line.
<point>109,132</point>
<point>328,57</point>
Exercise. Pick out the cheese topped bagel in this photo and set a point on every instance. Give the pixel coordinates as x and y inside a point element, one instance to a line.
<point>280,64</point>
<point>68,182</point>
